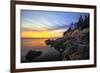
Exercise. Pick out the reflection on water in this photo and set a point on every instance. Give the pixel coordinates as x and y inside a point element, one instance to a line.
<point>34,43</point>
<point>28,44</point>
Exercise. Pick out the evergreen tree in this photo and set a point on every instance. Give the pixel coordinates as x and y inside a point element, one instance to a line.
<point>80,22</point>
<point>86,21</point>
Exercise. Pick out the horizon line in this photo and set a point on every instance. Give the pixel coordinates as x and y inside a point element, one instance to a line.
<point>40,38</point>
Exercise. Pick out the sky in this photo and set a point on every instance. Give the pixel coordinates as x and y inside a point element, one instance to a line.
<point>46,24</point>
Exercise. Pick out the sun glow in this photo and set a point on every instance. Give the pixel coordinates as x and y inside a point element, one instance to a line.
<point>46,24</point>
<point>41,34</point>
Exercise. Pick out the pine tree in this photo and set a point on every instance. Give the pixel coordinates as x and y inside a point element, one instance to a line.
<point>80,22</point>
<point>86,21</point>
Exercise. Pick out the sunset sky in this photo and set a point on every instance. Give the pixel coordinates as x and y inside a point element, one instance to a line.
<point>46,24</point>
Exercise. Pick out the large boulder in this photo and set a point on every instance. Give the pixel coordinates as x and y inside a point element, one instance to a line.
<point>32,54</point>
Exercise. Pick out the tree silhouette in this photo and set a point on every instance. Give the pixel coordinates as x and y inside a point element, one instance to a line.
<point>80,22</point>
<point>86,21</point>
<point>83,23</point>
